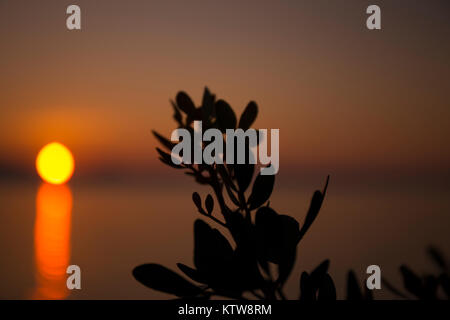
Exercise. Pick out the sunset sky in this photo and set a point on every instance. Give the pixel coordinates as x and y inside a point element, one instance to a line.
<point>370,108</point>
<point>345,99</point>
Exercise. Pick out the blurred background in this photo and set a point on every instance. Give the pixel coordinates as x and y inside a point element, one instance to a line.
<point>370,108</point>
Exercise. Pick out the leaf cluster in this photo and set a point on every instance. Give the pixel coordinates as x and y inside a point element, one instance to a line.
<point>262,253</point>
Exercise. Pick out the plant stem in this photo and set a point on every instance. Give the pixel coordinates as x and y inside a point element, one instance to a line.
<point>280,292</point>
<point>215,220</point>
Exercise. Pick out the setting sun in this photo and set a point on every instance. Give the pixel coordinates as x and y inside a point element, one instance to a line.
<point>55,163</point>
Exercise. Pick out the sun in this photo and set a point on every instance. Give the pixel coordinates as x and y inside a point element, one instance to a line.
<point>55,163</point>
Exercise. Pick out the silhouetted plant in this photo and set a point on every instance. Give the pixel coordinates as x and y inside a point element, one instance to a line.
<point>354,291</point>
<point>262,237</point>
<point>318,285</point>
<point>428,286</point>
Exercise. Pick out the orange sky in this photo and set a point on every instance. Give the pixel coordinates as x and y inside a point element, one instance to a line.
<point>344,98</point>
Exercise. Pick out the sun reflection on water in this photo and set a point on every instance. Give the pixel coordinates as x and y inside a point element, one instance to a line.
<point>52,240</point>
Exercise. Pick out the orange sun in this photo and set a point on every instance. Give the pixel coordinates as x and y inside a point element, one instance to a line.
<point>55,163</point>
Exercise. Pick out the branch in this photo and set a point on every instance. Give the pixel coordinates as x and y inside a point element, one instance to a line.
<point>214,219</point>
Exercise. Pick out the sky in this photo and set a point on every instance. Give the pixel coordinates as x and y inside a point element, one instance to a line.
<point>345,99</point>
<point>367,107</point>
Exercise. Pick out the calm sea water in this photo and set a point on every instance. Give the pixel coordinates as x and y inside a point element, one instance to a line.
<point>107,229</point>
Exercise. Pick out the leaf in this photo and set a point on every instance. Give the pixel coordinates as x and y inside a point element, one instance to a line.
<point>390,287</point>
<point>165,142</point>
<point>162,279</point>
<point>285,265</point>
<point>306,288</point>
<point>353,290</point>
<point>327,289</point>
<point>244,175</point>
<point>185,103</point>
<point>197,201</point>
<point>169,163</point>
<point>438,258</point>
<point>318,274</point>
<point>276,239</point>
<point>444,280</point>
<point>368,294</point>
<point>266,222</point>
<point>411,281</point>
<point>211,249</point>
<point>247,271</point>
<point>176,113</point>
<point>226,118</point>
<point>248,116</point>
<point>167,159</point>
<point>290,230</point>
<point>207,105</point>
<point>314,208</point>
<point>430,286</point>
<point>239,229</point>
<point>213,257</point>
<point>319,283</point>
<point>262,189</point>
<point>209,204</point>
<point>164,155</point>
<point>191,273</point>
